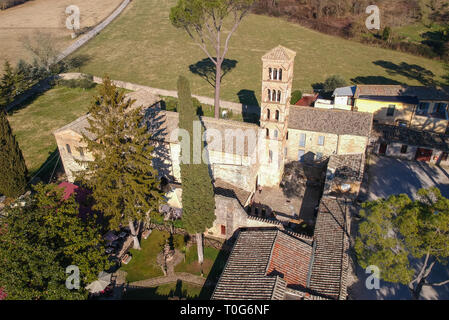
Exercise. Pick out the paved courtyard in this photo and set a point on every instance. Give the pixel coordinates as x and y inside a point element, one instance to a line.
<point>388,176</point>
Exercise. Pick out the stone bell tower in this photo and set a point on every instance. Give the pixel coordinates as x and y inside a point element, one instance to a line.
<point>277,79</point>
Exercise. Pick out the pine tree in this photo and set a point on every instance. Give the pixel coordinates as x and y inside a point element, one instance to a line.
<point>9,84</point>
<point>198,201</point>
<point>13,177</point>
<point>125,185</point>
<point>397,234</point>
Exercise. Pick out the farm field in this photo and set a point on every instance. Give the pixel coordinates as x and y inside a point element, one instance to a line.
<point>46,16</point>
<point>141,46</point>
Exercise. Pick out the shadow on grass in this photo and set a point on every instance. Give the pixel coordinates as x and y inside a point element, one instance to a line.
<point>182,291</point>
<point>49,169</point>
<point>214,274</point>
<point>206,69</point>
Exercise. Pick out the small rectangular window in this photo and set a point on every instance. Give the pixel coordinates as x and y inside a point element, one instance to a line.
<point>81,152</point>
<point>270,154</point>
<point>390,110</point>
<point>67,146</point>
<point>404,148</point>
<point>321,140</point>
<point>223,230</point>
<point>302,140</point>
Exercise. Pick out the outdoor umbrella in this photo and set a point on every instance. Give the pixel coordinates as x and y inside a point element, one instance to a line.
<point>104,279</point>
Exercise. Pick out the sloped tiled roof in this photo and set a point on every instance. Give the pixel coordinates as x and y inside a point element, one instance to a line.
<point>280,53</point>
<point>262,264</point>
<point>388,134</point>
<point>330,121</point>
<point>330,260</point>
<point>420,92</point>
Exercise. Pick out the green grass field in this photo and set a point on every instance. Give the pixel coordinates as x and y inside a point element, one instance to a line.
<point>141,46</point>
<point>34,122</point>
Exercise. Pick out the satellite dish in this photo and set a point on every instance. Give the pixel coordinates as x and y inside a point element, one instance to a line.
<point>345,187</point>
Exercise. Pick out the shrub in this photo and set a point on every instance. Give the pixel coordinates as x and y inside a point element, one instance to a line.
<point>334,82</point>
<point>386,34</point>
<point>85,82</point>
<point>296,96</point>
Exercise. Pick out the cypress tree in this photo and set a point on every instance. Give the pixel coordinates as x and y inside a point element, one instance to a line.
<point>124,183</point>
<point>13,176</point>
<point>198,199</point>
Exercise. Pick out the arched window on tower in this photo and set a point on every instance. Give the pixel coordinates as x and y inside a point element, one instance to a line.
<point>280,74</point>
<point>275,74</point>
<point>275,134</point>
<point>269,95</point>
<point>268,133</point>
<point>277,115</point>
<point>279,96</point>
<point>268,114</point>
<point>270,73</point>
<point>273,95</point>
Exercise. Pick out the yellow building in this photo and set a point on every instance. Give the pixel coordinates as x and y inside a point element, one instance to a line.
<point>420,108</point>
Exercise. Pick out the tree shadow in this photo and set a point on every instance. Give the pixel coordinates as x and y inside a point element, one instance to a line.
<point>250,106</point>
<point>374,80</point>
<point>78,61</point>
<point>410,71</point>
<point>206,69</point>
<point>49,170</point>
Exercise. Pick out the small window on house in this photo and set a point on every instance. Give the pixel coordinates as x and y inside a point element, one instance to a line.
<point>270,73</point>
<point>404,148</point>
<point>301,154</point>
<point>302,140</point>
<point>321,140</point>
<point>223,230</point>
<point>390,110</point>
<point>440,110</point>
<point>268,133</point>
<point>67,146</point>
<point>423,108</point>
<point>280,74</point>
<point>277,115</point>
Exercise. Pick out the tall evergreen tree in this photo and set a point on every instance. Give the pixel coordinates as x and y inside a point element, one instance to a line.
<point>198,201</point>
<point>9,84</point>
<point>125,185</point>
<point>13,171</point>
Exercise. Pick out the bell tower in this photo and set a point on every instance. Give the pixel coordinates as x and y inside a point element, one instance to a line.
<point>277,79</point>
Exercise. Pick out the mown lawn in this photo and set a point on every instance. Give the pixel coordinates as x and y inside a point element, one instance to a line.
<point>143,264</point>
<point>176,289</point>
<point>191,264</point>
<point>142,46</point>
<point>34,122</point>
